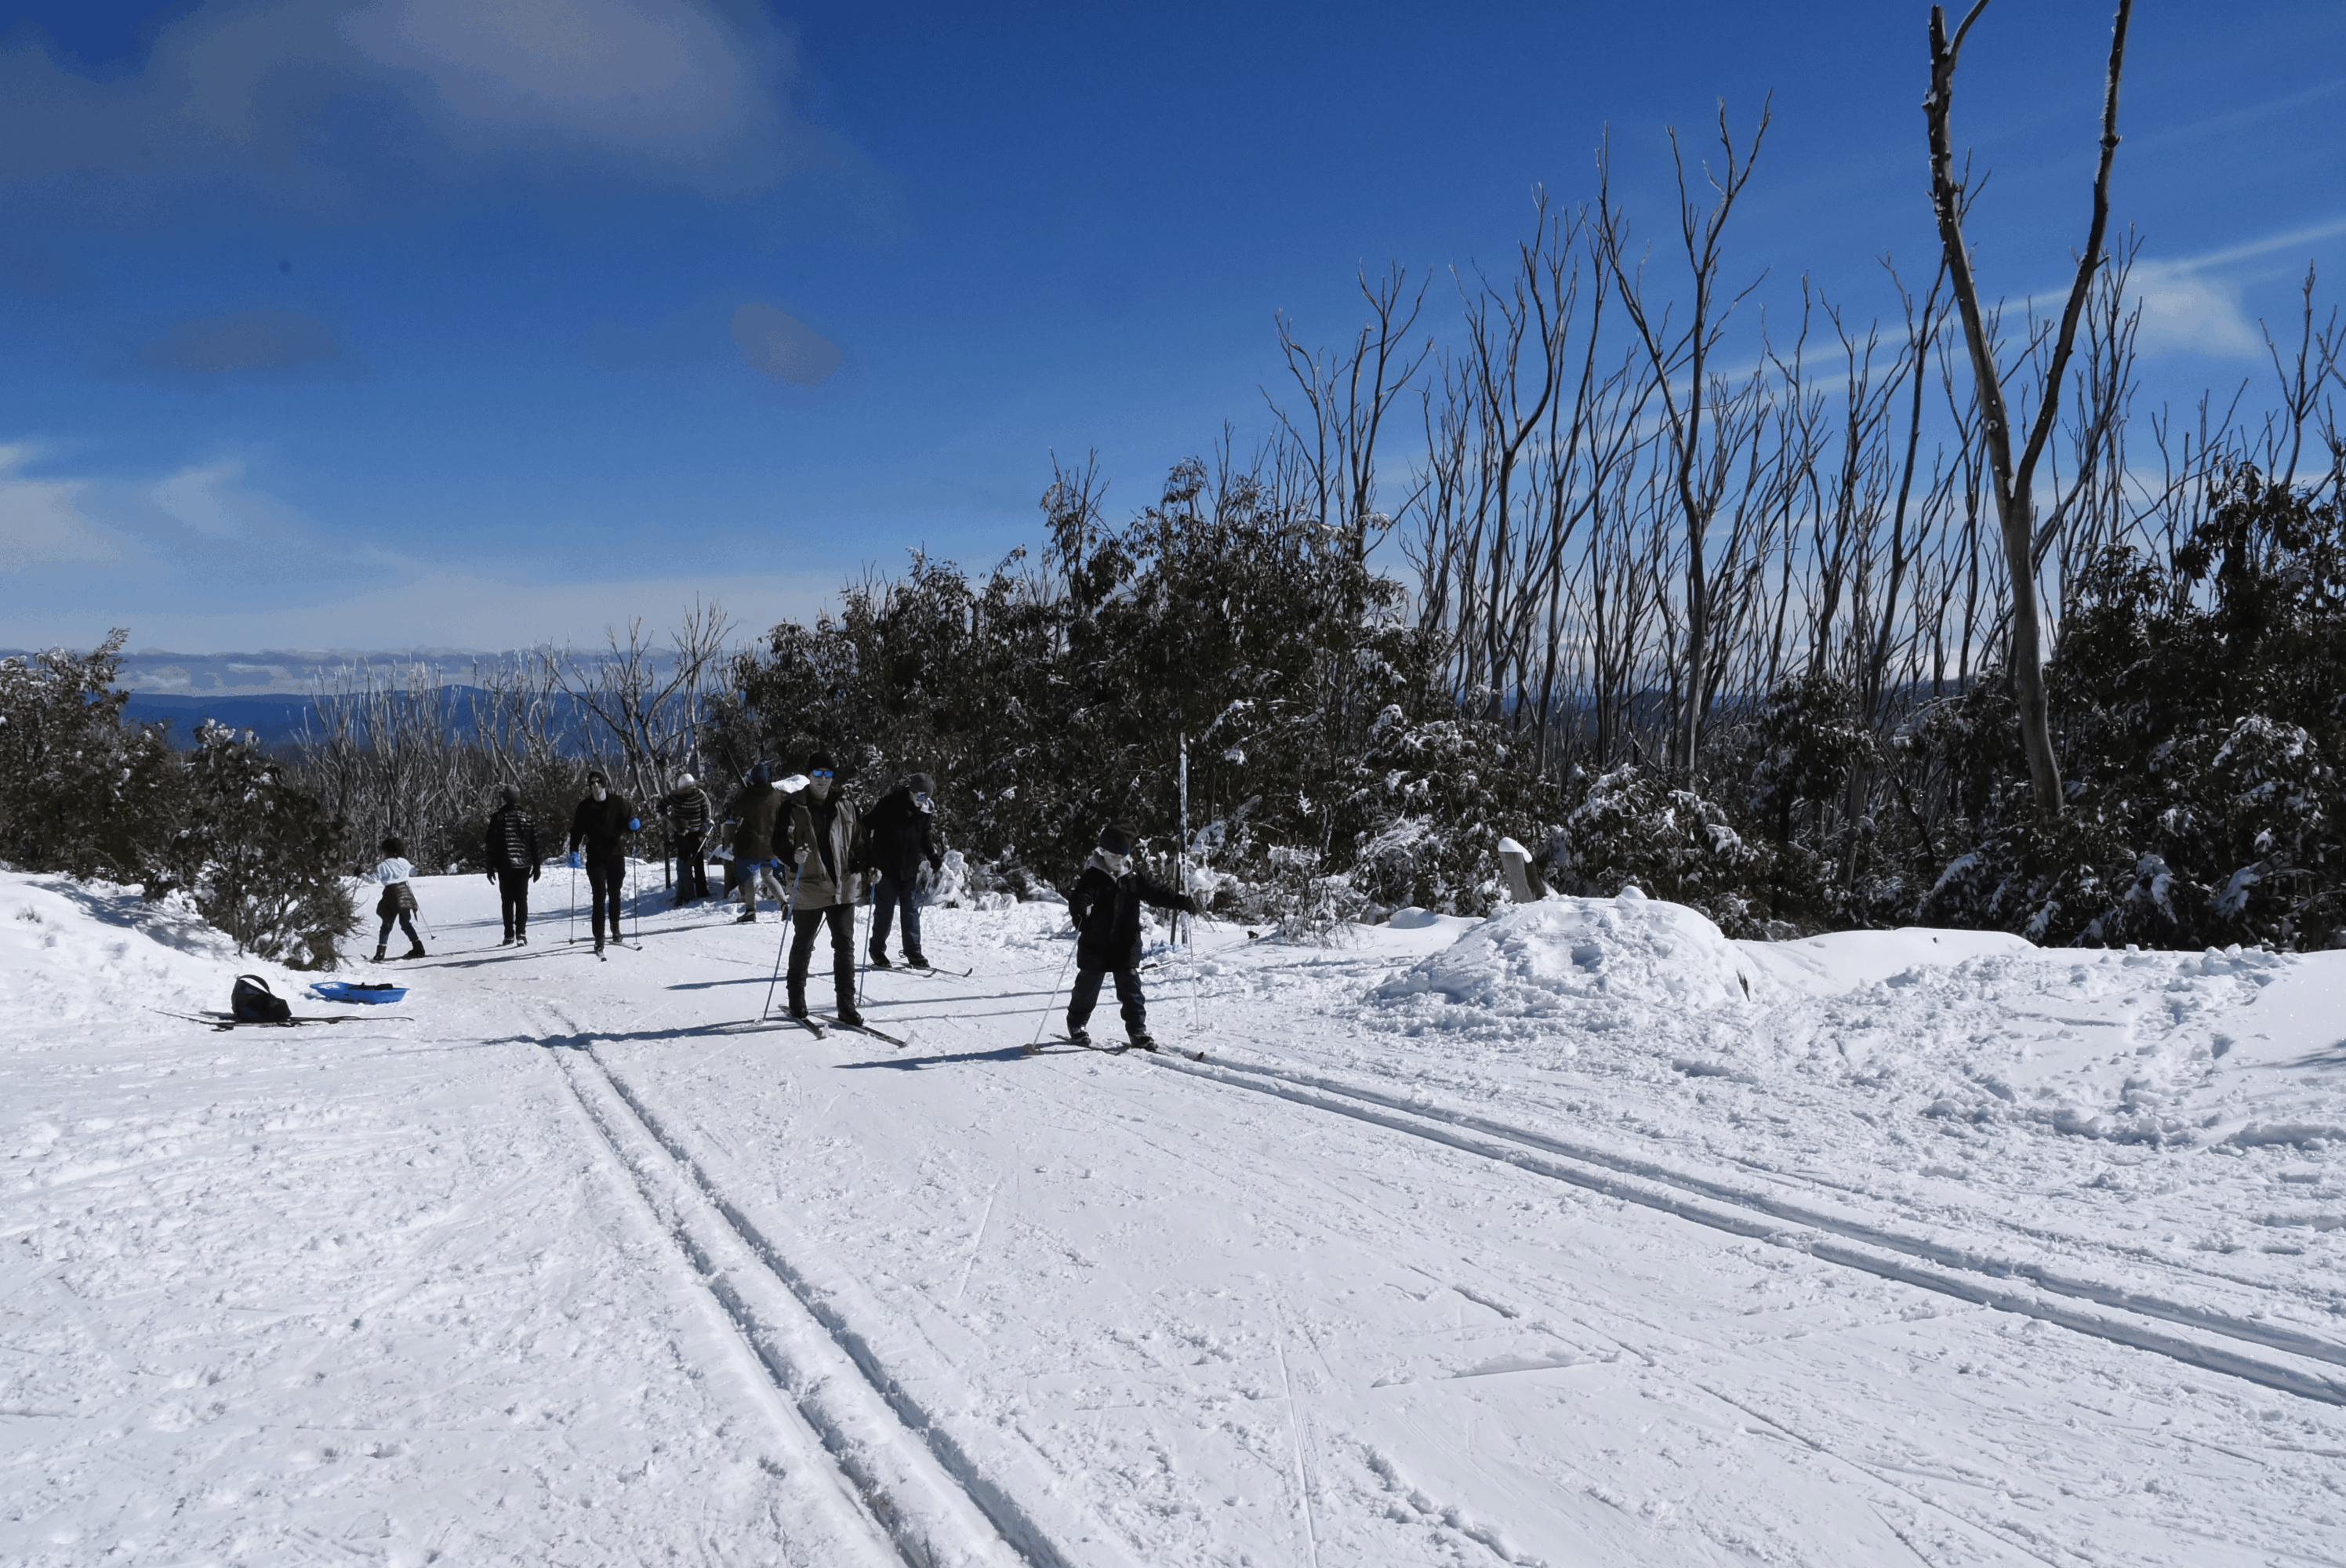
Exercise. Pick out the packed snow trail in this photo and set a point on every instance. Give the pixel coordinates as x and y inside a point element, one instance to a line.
<point>1120,1313</point>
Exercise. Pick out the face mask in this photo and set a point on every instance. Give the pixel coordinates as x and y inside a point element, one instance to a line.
<point>922,801</point>
<point>600,793</point>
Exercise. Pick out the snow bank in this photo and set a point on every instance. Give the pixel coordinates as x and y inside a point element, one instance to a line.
<point>1550,957</point>
<point>80,952</point>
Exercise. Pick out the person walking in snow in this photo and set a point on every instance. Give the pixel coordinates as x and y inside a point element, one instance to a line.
<point>686,811</point>
<point>756,810</point>
<point>1105,906</point>
<point>902,830</point>
<point>601,824</point>
<point>398,901</point>
<point>826,841</point>
<point>512,864</point>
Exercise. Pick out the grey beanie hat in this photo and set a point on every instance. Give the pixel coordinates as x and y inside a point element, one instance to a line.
<point>512,795</point>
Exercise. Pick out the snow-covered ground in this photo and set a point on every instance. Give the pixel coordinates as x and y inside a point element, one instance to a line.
<point>1579,1236</point>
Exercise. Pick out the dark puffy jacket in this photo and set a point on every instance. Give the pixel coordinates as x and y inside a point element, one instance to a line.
<point>900,836</point>
<point>601,825</point>
<point>756,809</point>
<point>512,841</point>
<point>1106,912</point>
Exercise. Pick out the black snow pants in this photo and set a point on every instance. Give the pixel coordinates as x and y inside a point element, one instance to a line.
<point>606,880</point>
<point>841,919</point>
<point>1085,995</point>
<point>691,867</point>
<point>513,898</point>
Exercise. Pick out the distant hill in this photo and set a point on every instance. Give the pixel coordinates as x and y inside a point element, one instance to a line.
<point>275,717</point>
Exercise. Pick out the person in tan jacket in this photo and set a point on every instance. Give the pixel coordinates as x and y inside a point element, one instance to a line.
<point>825,837</point>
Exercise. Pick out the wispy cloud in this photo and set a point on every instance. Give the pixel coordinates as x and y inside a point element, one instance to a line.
<point>2194,304</point>
<point>689,92</point>
<point>41,520</point>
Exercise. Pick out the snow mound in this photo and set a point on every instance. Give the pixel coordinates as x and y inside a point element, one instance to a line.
<point>74,953</point>
<point>1551,956</point>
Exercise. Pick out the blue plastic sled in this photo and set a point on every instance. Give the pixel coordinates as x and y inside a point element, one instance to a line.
<point>352,991</point>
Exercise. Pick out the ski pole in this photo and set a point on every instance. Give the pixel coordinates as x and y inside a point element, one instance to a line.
<point>1054,998</point>
<point>872,899</point>
<point>790,907</point>
<point>570,926</point>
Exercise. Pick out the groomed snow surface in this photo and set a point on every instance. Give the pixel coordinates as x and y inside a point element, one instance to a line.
<point>1581,1236</point>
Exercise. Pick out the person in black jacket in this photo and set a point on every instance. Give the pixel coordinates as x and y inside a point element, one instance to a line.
<point>1106,905</point>
<point>601,823</point>
<point>512,864</point>
<point>689,813</point>
<point>901,831</point>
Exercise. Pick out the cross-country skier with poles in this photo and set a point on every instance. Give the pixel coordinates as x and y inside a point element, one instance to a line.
<point>398,901</point>
<point>826,839</point>
<point>757,810</point>
<point>902,830</point>
<point>687,812</point>
<point>512,864</point>
<point>1105,906</point>
<point>601,824</point>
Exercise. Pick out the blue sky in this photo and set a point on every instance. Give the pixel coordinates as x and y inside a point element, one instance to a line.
<point>470,323</point>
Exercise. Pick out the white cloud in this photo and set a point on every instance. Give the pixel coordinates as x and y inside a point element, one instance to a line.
<point>687,90</point>
<point>782,346</point>
<point>2192,311</point>
<point>41,520</point>
<point>200,498</point>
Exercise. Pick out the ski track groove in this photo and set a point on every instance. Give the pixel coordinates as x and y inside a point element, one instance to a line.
<point>869,1451</point>
<point>1011,1524</point>
<point>1758,1217</point>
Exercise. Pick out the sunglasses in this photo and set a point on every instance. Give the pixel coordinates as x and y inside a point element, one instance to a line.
<point>820,773</point>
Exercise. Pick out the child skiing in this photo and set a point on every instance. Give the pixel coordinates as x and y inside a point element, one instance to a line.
<point>398,901</point>
<point>512,864</point>
<point>1105,906</point>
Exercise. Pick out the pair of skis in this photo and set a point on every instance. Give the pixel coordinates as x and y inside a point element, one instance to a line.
<point>819,1031</point>
<point>1114,1050</point>
<point>288,1022</point>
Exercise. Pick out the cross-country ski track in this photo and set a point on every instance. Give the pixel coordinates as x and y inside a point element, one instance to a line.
<point>583,1266</point>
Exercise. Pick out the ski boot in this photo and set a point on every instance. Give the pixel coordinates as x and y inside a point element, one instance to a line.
<point>521,939</point>
<point>914,960</point>
<point>880,960</point>
<point>599,947</point>
<point>747,917</point>
<point>798,1005</point>
<point>845,1012</point>
<point>1079,1036</point>
<point>1142,1041</point>
<point>414,952</point>
<point>378,955</point>
<point>508,941</point>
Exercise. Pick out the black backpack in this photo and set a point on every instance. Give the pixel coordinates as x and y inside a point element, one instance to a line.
<point>254,1002</point>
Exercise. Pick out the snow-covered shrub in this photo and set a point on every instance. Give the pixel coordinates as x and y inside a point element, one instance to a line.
<point>1632,830</point>
<point>258,854</point>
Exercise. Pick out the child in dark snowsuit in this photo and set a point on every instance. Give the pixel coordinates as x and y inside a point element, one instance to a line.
<point>398,901</point>
<point>1105,904</point>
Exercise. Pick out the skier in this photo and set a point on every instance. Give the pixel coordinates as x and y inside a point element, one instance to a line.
<point>756,809</point>
<point>686,811</point>
<point>600,823</point>
<point>826,839</point>
<point>398,901</point>
<point>512,864</point>
<point>902,830</point>
<point>1105,906</point>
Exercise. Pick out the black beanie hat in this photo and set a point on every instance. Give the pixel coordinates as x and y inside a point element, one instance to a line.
<point>921,784</point>
<point>1117,838</point>
<point>512,796</point>
<point>820,762</point>
<point>761,774</point>
<point>594,775</point>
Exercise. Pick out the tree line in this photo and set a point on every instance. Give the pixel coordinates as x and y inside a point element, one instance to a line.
<point>1806,621</point>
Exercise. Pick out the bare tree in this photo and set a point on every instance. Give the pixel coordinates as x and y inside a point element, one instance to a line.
<point>2015,509</point>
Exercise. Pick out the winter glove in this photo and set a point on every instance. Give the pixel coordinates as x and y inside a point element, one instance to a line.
<point>492,873</point>
<point>1189,904</point>
<point>635,824</point>
<point>936,865</point>
<point>535,872</point>
<point>574,860</point>
<point>802,855</point>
